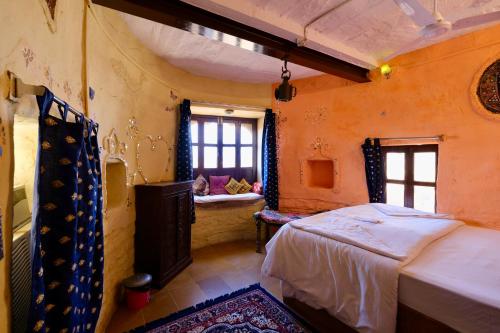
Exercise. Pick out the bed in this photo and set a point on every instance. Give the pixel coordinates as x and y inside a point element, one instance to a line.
<point>451,284</point>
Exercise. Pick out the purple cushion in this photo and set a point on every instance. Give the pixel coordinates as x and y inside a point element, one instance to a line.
<point>217,184</point>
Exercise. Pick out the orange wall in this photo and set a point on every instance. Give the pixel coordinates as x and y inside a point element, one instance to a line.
<point>428,94</point>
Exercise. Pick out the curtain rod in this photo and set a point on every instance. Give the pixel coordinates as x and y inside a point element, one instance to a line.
<point>435,137</point>
<point>228,106</point>
<point>17,89</point>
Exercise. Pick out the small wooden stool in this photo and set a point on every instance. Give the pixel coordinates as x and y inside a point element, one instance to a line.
<point>271,218</point>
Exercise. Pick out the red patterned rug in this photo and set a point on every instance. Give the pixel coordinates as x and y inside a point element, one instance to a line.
<point>248,310</point>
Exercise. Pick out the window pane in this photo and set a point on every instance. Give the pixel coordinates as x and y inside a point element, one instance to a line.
<point>228,157</point>
<point>425,167</point>
<point>210,157</point>
<point>210,132</point>
<point>424,198</point>
<point>395,194</point>
<point>246,157</point>
<point>194,131</point>
<point>228,133</point>
<point>246,134</point>
<point>195,157</point>
<point>395,166</point>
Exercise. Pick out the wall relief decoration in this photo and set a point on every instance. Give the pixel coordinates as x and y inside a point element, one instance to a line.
<point>485,90</point>
<point>157,151</point>
<point>115,172</point>
<point>132,128</point>
<point>134,83</point>
<point>49,8</point>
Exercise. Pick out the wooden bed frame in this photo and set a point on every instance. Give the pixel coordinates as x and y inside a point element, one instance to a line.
<point>408,320</point>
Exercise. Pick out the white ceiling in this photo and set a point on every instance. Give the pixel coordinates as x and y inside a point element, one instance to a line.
<point>362,32</point>
<point>202,56</point>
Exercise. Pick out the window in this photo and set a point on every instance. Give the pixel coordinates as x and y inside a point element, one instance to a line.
<point>411,176</point>
<point>224,146</point>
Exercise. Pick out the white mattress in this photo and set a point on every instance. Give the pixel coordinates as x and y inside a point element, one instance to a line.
<point>456,280</point>
<point>227,197</point>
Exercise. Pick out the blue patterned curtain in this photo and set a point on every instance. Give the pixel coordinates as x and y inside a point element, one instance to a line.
<point>184,169</point>
<point>270,161</point>
<point>375,170</point>
<point>68,253</point>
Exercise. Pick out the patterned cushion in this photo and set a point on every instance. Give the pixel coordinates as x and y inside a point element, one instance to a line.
<point>217,184</point>
<point>245,187</point>
<point>233,186</point>
<point>272,216</point>
<point>257,188</point>
<point>201,186</point>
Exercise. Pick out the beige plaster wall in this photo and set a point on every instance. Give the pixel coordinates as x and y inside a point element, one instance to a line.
<point>224,224</point>
<point>93,47</point>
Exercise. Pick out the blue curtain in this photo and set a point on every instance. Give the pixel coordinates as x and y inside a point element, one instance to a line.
<point>270,161</point>
<point>68,253</point>
<point>184,169</point>
<point>374,170</point>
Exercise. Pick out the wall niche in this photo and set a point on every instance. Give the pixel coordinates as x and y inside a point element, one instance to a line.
<point>319,173</point>
<point>320,170</point>
<point>116,183</point>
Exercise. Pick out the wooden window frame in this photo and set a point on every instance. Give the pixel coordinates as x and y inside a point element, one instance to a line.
<point>409,181</point>
<point>238,172</point>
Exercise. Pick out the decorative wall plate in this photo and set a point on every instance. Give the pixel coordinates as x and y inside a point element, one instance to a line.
<point>485,90</point>
<point>157,151</point>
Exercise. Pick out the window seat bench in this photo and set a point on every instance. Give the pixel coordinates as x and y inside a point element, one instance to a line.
<point>224,218</point>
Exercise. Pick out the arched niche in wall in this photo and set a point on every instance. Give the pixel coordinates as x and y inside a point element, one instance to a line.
<point>115,172</point>
<point>320,170</point>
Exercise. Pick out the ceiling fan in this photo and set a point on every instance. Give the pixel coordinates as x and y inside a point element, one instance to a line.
<point>434,25</point>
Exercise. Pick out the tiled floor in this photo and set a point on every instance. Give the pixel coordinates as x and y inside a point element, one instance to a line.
<point>216,270</point>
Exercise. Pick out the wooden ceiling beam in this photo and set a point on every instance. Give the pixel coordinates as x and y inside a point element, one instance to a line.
<point>190,18</point>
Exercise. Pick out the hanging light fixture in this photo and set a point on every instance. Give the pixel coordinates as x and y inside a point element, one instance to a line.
<point>285,91</point>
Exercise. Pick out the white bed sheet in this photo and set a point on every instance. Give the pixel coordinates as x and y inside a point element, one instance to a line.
<point>456,280</point>
<point>227,197</point>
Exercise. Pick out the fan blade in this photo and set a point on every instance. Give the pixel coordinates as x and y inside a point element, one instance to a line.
<point>472,21</point>
<point>416,12</point>
<point>407,48</point>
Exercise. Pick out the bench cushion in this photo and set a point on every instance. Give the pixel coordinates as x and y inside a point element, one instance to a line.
<point>272,216</point>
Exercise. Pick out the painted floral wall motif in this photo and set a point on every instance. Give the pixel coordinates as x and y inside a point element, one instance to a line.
<point>174,99</point>
<point>28,56</point>
<point>49,8</point>
<point>52,7</point>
